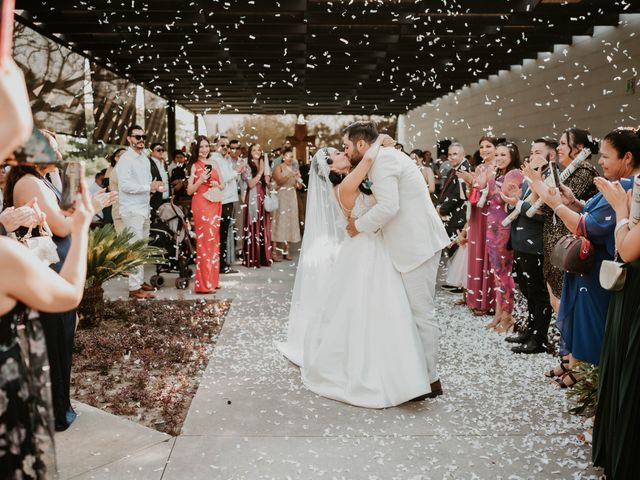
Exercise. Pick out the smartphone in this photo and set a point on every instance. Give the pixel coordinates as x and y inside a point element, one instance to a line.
<point>208,168</point>
<point>6,30</point>
<point>555,171</point>
<point>73,174</point>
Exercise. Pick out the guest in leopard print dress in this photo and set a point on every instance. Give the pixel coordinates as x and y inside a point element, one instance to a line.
<point>581,184</point>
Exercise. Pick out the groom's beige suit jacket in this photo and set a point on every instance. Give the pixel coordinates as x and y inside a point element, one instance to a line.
<point>411,227</point>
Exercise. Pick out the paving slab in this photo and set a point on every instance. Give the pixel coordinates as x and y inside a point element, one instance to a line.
<point>147,464</point>
<point>97,439</point>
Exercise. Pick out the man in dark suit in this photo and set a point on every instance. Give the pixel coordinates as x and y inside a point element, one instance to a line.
<point>526,240</point>
<point>452,202</point>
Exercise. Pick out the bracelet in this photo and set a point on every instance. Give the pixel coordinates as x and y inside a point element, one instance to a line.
<point>619,225</point>
<point>557,207</point>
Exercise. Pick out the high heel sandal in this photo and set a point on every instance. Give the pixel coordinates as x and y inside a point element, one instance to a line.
<point>509,329</point>
<point>552,373</point>
<point>586,436</point>
<point>562,384</point>
<point>492,324</point>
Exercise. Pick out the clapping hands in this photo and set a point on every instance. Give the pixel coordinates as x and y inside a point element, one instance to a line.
<point>102,199</point>
<point>511,193</point>
<point>26,216</point>
<point>615,195</point>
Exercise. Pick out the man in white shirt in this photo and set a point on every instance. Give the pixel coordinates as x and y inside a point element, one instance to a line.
<point>229,171</point>
<point>237,230</point>
<point>135,185</point>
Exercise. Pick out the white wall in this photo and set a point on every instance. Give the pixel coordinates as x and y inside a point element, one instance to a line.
<point>581,85</point>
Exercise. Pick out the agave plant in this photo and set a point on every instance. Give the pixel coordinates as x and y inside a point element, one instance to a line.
<point>111,254</point>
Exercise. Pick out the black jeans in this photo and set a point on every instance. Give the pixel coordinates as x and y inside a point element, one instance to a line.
<point>530,278</point>
<point>228,216</point>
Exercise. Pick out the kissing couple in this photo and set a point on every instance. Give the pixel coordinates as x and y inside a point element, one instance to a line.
<point>362,323</point>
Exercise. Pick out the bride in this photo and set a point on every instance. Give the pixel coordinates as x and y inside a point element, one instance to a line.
<point>350,323</point>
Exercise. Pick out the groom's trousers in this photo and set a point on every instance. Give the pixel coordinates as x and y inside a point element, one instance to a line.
<point>420,285</point>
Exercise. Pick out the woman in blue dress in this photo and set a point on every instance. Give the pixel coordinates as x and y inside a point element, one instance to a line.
<point>616,434</point>
<point>584,303</point>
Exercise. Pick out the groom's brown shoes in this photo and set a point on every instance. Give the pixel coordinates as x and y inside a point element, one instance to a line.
<point>436,391</point>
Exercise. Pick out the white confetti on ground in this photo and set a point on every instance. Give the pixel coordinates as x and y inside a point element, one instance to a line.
<point>252,418</point>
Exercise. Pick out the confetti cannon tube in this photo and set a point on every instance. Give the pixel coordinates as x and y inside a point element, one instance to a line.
<point>533,199</point>
<point>634,214</point>
<point>566,173</point>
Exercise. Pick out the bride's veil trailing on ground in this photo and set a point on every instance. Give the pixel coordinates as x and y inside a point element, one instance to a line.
<point>324,232</point>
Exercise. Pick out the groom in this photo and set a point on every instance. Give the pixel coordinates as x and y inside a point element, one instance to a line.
<point>411,230</point>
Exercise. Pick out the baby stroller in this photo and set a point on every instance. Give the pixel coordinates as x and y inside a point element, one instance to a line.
<point>170,231</point>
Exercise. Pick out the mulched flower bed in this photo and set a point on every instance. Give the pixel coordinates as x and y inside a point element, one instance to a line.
<point>145,360</point>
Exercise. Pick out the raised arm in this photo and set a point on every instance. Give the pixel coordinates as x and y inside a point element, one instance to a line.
<point>34,283</point>
<point>28,188</point>
<point>352,182</point>
<point>193,184</point>
<point>252,182</point>
<point>386,191</point>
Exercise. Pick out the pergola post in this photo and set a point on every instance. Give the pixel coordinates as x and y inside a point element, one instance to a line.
<point>171,127</point>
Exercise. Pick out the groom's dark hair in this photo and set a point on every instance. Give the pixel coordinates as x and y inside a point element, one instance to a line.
<point>366,131</point>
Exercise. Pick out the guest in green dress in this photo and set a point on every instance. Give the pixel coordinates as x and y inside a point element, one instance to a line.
<point>616,435</point>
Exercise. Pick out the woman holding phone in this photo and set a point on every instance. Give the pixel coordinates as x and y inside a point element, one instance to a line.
<point>206,189</point>
<point>25,183</point>
<point>26,430</point>
<point>256,238</point>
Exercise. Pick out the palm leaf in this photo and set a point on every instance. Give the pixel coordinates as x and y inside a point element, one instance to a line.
<point>111,254</point>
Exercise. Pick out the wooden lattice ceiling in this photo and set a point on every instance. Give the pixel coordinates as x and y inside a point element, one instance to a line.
<point>313,56</point>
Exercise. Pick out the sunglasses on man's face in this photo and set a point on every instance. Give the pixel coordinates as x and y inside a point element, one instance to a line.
<point>223,145</point>
<point>159,150</point>
<point>139,137</point>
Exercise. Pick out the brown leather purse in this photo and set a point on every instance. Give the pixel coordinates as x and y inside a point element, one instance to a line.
<point>574,253</point>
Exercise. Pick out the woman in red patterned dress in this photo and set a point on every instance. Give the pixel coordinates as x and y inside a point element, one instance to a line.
<point>206,189</point>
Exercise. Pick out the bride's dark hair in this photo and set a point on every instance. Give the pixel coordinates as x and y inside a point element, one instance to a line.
<point>334,177</point>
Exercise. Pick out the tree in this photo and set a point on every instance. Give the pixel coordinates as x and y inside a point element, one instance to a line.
<point>269,131</point>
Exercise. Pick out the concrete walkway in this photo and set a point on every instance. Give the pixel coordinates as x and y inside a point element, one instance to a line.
<point>252,419</point>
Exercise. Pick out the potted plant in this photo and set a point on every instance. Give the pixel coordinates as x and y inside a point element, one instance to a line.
<point>111,254</point>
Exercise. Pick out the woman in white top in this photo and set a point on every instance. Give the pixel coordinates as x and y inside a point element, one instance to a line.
<point>427,171</point>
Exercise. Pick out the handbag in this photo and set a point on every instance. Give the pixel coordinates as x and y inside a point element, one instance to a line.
<point>271,201</point>
<point>613,275</point>
<point>474,196</point>
<point>574,253</point>
<point>213,194</point>
<point>42,246</point>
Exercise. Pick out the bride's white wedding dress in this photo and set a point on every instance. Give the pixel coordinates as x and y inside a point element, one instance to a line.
<point>363,347</point>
